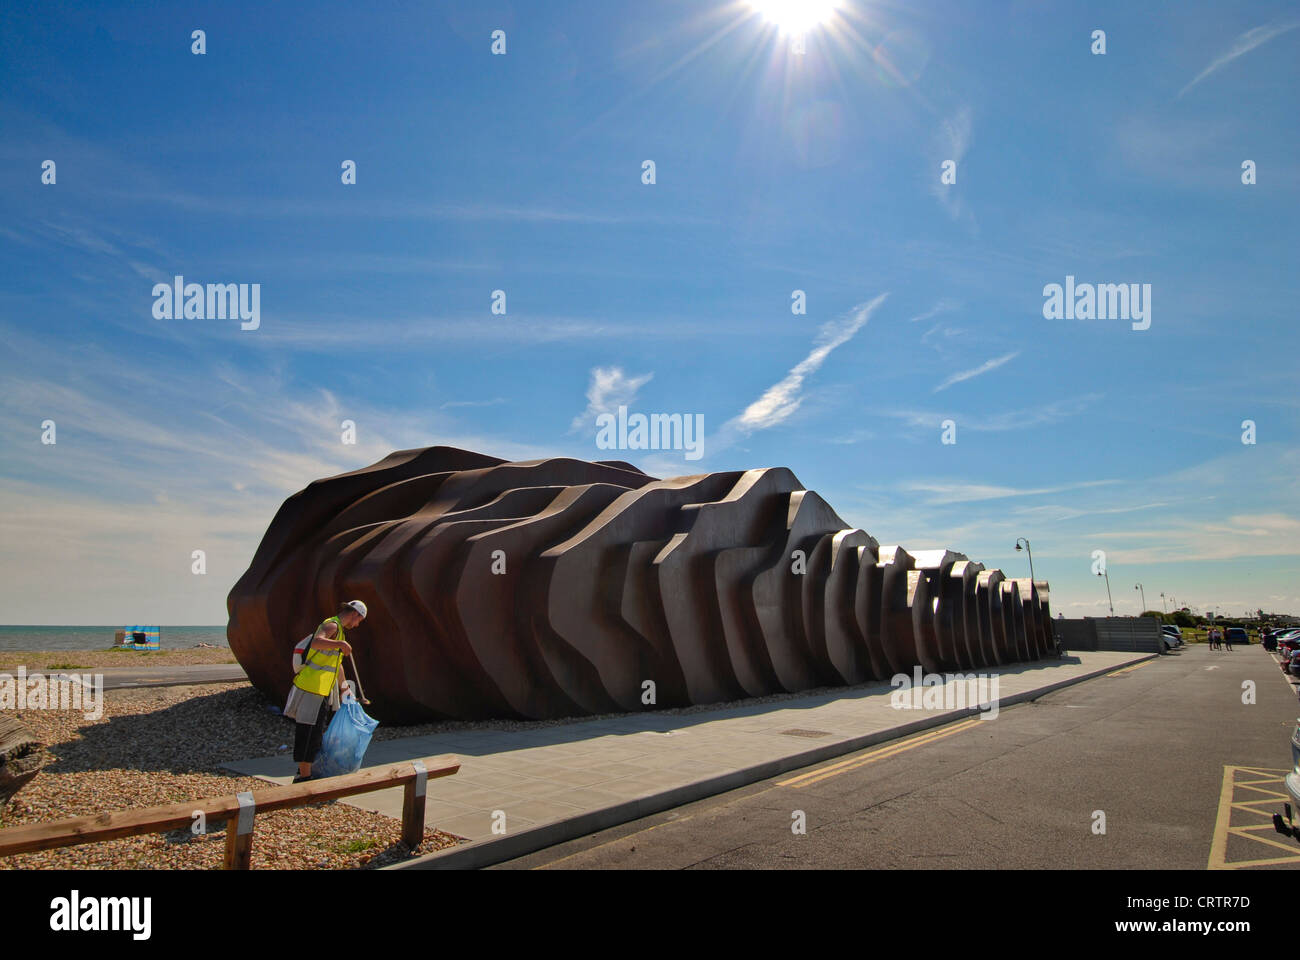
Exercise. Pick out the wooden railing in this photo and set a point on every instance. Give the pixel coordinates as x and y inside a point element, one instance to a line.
<point>238,811</point>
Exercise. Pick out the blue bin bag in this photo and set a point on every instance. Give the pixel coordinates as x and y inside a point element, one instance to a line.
<point>344,744</point>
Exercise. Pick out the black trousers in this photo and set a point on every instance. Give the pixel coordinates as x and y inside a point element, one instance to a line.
<point>307,736</point>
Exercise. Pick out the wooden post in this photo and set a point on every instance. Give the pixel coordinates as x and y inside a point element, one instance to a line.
<point>413,807</point>
<point>21,756</point>
<point>239,834</point>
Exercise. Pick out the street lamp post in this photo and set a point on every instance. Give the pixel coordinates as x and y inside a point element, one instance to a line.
<point>1106,574</point>
<point>1143,593</point>
<point>1164,605</point>
<point>1023,540</point>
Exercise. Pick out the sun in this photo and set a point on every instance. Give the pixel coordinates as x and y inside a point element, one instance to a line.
<point>796,16</point>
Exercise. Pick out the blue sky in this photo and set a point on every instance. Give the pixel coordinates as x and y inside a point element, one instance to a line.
<point>774,172</point>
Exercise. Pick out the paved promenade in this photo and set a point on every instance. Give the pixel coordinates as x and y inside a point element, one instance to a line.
<point>549,784</point>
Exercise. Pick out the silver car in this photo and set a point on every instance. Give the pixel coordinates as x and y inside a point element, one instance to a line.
<point>1286,824</point>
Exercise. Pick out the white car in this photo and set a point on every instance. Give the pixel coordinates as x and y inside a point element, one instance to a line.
<point>1284,823</point>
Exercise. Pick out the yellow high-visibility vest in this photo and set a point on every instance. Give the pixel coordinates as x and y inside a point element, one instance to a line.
<point>320,668</point>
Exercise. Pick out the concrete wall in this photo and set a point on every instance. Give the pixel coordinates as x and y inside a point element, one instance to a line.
<point>1126,634</point>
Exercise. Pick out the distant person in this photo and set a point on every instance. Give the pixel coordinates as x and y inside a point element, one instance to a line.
<point>314,696</point>
<point>1227,640</point>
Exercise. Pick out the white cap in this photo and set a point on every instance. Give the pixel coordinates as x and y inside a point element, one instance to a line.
<point>358,606</point>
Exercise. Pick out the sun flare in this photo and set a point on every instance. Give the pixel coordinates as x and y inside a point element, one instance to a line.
<point>795,16</point>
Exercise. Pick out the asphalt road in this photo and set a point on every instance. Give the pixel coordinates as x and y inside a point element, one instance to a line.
<point>1147,748</point>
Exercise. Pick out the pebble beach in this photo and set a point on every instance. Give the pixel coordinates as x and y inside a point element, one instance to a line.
<point>166,745</point>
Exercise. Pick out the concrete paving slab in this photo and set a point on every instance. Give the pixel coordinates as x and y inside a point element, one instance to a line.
<point>644,786</point>
<point>439,811</point>
<point>560,782</point>
<point>480,824</point>
<point>494,778</point>
<point>576,778</point>
<point>544,811</point>
<point>551,789</point>
<point>588,796</point>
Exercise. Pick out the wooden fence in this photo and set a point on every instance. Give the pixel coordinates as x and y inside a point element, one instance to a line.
<point>238,811</point>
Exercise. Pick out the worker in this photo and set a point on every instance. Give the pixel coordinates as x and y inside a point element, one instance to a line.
<point>316,689</point>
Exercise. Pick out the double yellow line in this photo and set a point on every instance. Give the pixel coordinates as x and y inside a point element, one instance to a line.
<point>1123,670</point>
<point>803,780</point>
<point>884,753</point>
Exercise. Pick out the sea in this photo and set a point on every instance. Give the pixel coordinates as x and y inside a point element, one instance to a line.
<point>101,638</point>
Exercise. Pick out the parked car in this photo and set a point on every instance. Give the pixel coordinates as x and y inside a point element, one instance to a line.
<point>1237,635</point>
<point>1172,636</point>
<point>1284,822</point>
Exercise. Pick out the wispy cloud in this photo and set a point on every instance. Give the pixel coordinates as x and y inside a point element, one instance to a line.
<point>610,388</point>
<point>983,368</point>
<point>996,422</point>
<point>396,209</point>
<point>1070,513</point>
<point>1239,535</point>
<point>943,306</point>
<point>90,240</point>
<point>938,335</point>
<point>942,493</point>
<point>854,436</point>
<point>952,141</point>
<point>472,403</point>
<point>783,398</point>
<point>1248,41</point>
<point>138,471</point>
<point>328,333</point>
